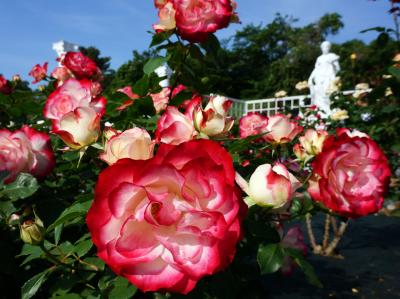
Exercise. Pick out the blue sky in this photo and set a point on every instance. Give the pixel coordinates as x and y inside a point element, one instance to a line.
<point>119,26</point>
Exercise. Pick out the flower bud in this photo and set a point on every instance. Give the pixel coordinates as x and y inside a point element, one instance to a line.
<point>313,141</point>
<point>32,231</point>
<point>16,78</point>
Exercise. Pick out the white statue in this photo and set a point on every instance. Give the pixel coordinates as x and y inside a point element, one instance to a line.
<point>322,77</point>
<point>164,71</point>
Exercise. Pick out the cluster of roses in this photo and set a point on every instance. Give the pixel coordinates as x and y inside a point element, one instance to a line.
<point>350,173</point>
<point>194,20</point>
<point>76,106</point>
<point>25,150</point>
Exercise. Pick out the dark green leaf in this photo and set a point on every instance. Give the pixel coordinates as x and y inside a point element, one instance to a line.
<point>83,247</point>
<point>24,186</point>
<point>76,210</point>
<point>153,64</point>
<point>30,287</point>
<point>160,37</point>
<point>270,258</point>
<point>122,289</point>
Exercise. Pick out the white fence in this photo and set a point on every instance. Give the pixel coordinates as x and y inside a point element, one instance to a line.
<point>272,106</point>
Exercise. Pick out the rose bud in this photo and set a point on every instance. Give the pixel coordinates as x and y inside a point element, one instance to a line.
<point>214,121</point>
<point>135,144</point>
<point>269,186</point>
<point>32,231</point>
<point>313,141</point>
<point>79,128</point>
<point>174,127</point>
<point>300,153</point>
<point>16,78</point>
<point>38,72</point>
<point>281,129</point>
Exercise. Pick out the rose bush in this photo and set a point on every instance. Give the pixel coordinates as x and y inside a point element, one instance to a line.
<point>166,222</point>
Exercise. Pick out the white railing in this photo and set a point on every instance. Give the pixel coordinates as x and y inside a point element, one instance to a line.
<point>272,106</point>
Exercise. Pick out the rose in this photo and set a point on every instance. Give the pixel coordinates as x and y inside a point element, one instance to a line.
<point>5,87</point>
<point>61,74</point>
<point>134,144</point>
<point>339,114</point>
<point>281,129</point>
<point>39,72</point>
<point>195,19</point>
<point>300,153</point>
<point>166,222</point>
<point>252,124</point>
<point>161,99</point>
<point>15,154</point>
<point>313,140</point>
<point>270,186</point>
<point>214,119</point>
<point>25,150</point>
<point>281,94</point>
<point>167,18</point>
<point>350,176</point>
<point>81,66</point>
<point>78,128</point>
<point>71,95</point>
<point>43,160</point>
<point>174,127</point>
<point>127,90</point>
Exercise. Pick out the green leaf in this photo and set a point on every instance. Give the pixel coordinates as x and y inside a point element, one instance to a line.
<point>6,209</point>
<point>83,247</point>
<point>153,64</point>
<point>395,72</point>
<point>308,270</point>
<point>211,44</point>
<point>76,210</point>
<point>30,287</point>
<point>160,37</point>
<point>24,186</point>
<point>141,87</point>
<point>270,258</point>
<point>122,289</point>
<point>57,233</point>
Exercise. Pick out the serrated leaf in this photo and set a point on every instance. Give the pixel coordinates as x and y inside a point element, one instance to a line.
<point>153,64</point>
<point>24,186</point>
<point>270,258</point>
<point>76,210</point>
<point>30,288</point>
<point>122,289</point>
<point>83,247</point>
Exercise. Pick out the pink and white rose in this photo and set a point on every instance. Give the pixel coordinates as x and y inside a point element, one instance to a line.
<point>134,144</point>
<point>166,222</point>
<point>213,120</point>
<point>252,124</point>
<point>281,129</point>
<point>174,127</point>
<point>351,175</point>
<point>38,72</point>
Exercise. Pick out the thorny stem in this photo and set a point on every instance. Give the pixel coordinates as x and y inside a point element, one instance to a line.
<point>334,225</point>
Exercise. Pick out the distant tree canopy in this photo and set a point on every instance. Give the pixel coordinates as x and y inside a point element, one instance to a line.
<point>262,59</point>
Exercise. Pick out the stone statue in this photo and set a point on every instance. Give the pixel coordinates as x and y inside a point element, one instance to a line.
<point>322,78</point>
